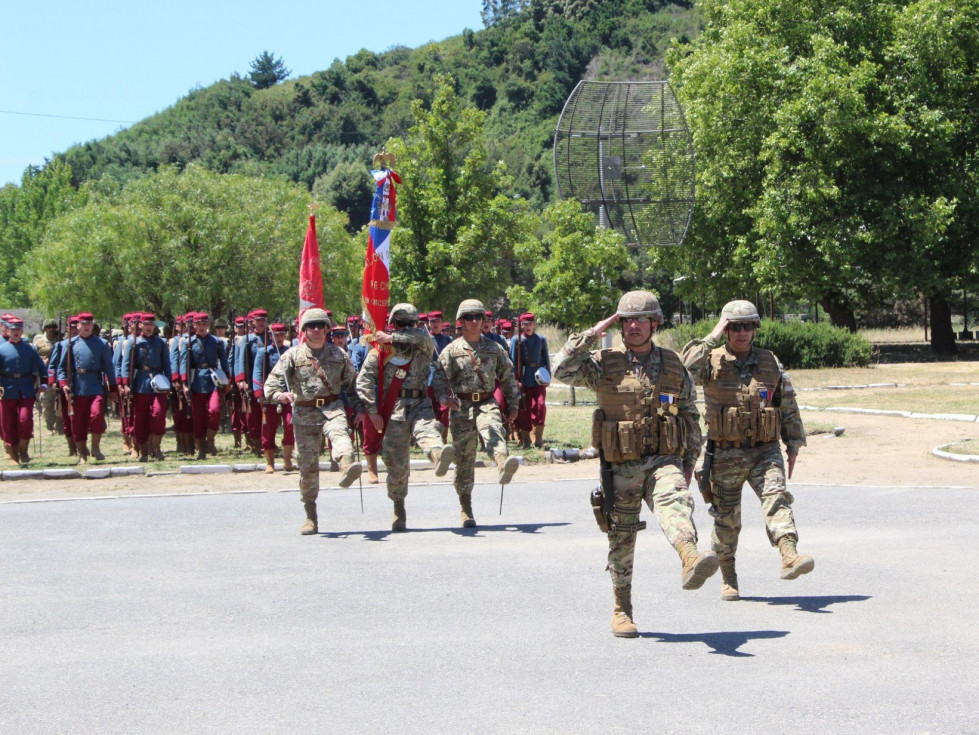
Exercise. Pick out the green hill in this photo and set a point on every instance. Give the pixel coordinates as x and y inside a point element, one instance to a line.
<point>519,69</point>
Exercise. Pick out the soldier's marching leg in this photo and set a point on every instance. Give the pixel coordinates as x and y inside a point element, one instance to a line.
<point>211,448</point>
<point>464,440</point>
<point>155,452</point>
<point>489,424</point>
<point>622,625</point>
<point>395,453</point>
<point>372,477</point>
<point>96,447</point>
<point>729,581</point>
<point>308,440</point>
<point>287,464</point>
<point>793,564</point>
<point>342,448</point>
<point>12,454</point>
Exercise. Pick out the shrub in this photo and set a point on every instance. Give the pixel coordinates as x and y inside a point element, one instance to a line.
<point>796,344</point>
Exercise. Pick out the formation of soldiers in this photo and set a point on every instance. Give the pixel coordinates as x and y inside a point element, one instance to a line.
<point>330,391</point>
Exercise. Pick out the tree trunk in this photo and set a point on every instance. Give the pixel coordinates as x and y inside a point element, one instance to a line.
<point>942,335</point>
<point>839,310</point>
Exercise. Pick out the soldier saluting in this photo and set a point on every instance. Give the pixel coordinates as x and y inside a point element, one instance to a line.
<point>82,370</point>
<point>749,405</point>
<point>647,427</point>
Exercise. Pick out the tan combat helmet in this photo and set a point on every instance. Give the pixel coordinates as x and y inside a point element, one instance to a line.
<point>741,311</point>
<point>314,315</point>
<point>404,313</point>
<point>639,303</point>
<point>470,306</point>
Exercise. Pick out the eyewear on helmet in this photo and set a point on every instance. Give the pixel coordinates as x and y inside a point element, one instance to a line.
<point>315,325</point>
<point>473,317</point>
<point>741,327</point>
<point>636,319</point>
<point>402,324</point>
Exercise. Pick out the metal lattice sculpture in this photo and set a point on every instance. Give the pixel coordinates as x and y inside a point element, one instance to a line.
<point>623,150</point>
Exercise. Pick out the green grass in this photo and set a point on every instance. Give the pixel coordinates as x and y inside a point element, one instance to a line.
<point>970,447</point>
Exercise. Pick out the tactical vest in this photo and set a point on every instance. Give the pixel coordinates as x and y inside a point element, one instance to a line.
<point>739,413</point>
<point>635,419</point>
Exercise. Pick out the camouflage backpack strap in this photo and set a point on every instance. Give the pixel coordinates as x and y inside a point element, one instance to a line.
<point>477,365</point>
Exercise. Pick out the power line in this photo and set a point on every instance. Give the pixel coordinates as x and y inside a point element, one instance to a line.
<point>67,117</point>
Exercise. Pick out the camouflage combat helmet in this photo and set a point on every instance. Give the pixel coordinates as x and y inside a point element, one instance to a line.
<point>741,311</point>
<point>639,303</point>
<point>404,313</point>
<point>470,306</point>
<point>314,315</point>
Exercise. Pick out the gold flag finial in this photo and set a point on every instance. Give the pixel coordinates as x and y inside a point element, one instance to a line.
<point>384,159</point>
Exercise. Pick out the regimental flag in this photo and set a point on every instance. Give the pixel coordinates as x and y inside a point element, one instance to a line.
<point>310,274</point>
<point>377,262</point>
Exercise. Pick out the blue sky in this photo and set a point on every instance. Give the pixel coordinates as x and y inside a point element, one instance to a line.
<point>119,62</point>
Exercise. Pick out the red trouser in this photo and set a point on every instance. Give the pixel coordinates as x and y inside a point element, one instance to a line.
<point>149,415</point>
<point>65,418</point>
<point>255,420</point>
<point>205,411</point>
<point>18,420</point>
<point>370,437</point>
<point>181,421</point>
<point>239,421</point>
<point>533,409</point>
<point>272,418</point>
<point>89,416</point>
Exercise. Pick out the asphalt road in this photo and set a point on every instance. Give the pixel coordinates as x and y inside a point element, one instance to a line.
<point>211,614</point>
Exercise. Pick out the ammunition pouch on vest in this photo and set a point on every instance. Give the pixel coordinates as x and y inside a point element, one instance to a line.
<point>632,422</point>
<point>741,414</point>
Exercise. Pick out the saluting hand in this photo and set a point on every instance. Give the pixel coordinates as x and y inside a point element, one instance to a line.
<point>602,326</point>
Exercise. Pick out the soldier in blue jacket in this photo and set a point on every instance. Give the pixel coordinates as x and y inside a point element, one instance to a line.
<point>258,339</point>
<point>199,366</point>
<point>83,371</point>
<point>265,360</point>
<point>529,354</point>
<point>22,374</point>
<point>142,362</point>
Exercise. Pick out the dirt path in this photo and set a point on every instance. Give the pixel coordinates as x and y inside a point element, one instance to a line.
<point>873,451</point>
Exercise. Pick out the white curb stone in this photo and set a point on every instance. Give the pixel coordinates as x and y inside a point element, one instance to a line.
<point>205,469</point>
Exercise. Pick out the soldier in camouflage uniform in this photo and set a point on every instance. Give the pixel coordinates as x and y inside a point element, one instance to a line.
<point>647,426</point>
<point>44,343</point>
<point>465,375</point>
<point>405,412</point>
<point>311,377</point>
<point>750,403</point>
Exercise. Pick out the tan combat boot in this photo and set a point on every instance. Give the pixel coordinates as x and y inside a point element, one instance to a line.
<point>372,468</point>
<point>537,433</point>
<point>442,458</point>
<point>287,464</point>
<point>729,581</point>
<point>269,461</point>
<point>211,449</point>
<point>508,468</point>
<point>622,625</point>
<point>400,521</point>
<point>696,567</point>
<point>82,448</point>
<point>793,565</point>
<point>13,455</point>
<point>22,450</point>
<point>96,451</point>
<point>311,525</point>
<point>466,512</point>
<point>349,471</point>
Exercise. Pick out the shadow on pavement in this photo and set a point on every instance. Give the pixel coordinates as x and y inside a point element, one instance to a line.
<point>511,527</point>
<point>726,643</point>
<point>809,604</point>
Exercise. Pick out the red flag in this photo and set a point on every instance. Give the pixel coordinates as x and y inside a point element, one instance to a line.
<point>310,275</point>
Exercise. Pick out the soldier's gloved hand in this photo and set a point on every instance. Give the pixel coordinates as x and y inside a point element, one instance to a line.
<point>286,398</point>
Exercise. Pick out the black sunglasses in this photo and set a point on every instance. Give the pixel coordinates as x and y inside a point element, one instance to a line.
<point>405,325</point>
<point>741,327</point>
<point>473,317</point>
<point>315,325</point>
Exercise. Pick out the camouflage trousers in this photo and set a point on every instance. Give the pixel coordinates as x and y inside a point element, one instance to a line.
<point>466,427</point>
<point>659,481</point>
<point>764,470</point>
<point>309,441</point>
<point>50,410</point>
<point>421,425</point>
